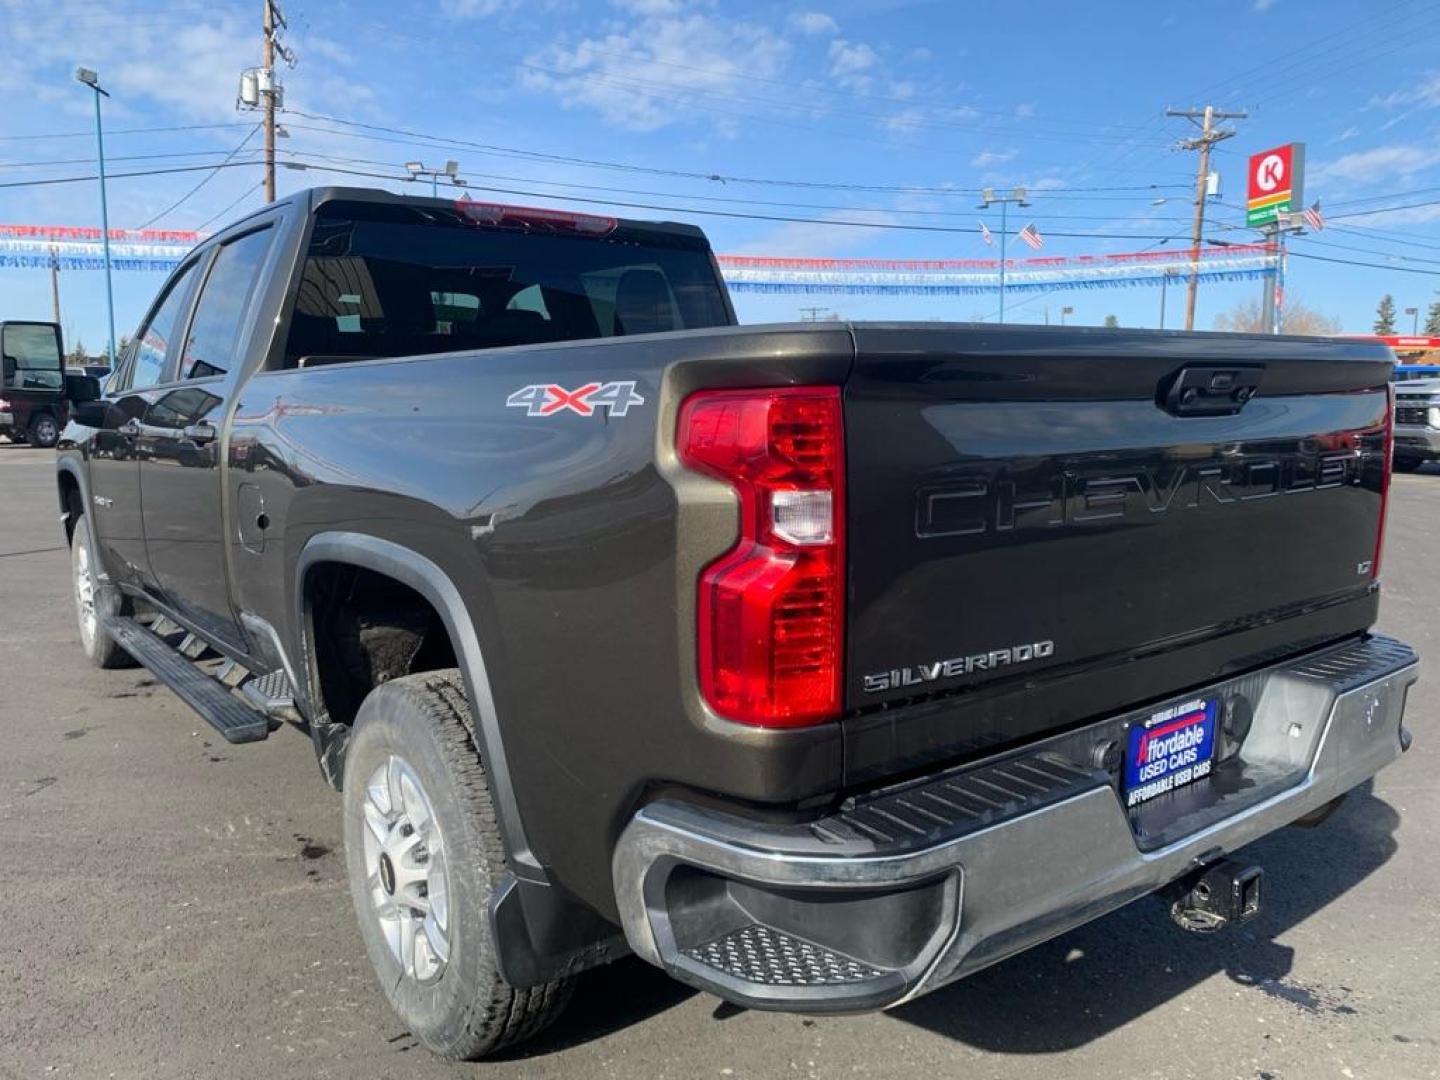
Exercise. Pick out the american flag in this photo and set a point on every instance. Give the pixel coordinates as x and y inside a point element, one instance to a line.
<point>1313,217</point>
<point>985,235</point>
<point>1031,236</point>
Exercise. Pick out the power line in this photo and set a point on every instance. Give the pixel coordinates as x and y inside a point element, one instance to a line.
<point>836,222</point>
<point>120,131</point>
<point>211,176</point>
<point>1372,266</point>
<point>714,177</point>
<point>1366,251</point>
<point>1386,209</point>
<point>178,154</point>
<point>310,155</point>
<point>53,180</point>
<point>243,196</point>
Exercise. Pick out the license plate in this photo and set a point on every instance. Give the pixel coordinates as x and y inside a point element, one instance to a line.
<point>1174,747</point>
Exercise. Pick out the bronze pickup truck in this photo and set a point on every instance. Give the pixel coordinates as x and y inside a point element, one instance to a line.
<point>817,664</point>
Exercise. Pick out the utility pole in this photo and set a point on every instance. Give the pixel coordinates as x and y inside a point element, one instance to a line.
<point>55,284</point>
<point>267,94</point>
<point>271,93</point>
<point>1208,137</point>
<point>812,314</point>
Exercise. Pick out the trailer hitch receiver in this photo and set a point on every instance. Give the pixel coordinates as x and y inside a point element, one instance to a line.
<point>1215,896</point>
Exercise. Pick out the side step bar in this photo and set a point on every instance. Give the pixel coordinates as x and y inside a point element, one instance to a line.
<point>227,714</point>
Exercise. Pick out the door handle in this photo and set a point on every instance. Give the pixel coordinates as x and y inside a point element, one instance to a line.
<point>201,433</point>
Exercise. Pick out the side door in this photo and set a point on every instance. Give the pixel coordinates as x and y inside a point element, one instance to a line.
<point>181,442</point>
<point>114,464</point>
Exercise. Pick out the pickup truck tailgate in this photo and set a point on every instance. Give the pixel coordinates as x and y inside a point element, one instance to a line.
<point>1025,503</point>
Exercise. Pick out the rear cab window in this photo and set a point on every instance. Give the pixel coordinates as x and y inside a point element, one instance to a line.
<point>390,279</point>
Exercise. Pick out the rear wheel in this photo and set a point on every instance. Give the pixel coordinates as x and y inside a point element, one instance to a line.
<point>95,600</point>
<point>44,431</point>
<point>1408,464</point>
<point>423,850</point>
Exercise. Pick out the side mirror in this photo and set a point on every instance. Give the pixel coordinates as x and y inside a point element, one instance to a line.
<point>81,388</point>
<point>92,414</point>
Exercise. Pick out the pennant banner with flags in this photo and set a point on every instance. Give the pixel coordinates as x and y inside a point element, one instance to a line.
<point>79,247</point>
<point>955,277</point>
<point>1031,236</point>
<point>161,250</point>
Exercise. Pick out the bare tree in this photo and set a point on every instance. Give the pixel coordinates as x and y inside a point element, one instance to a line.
<point>1246,317</point>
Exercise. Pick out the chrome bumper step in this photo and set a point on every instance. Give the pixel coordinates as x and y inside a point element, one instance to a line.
<point>900,891</point>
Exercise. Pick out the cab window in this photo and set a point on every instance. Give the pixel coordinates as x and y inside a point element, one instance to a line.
<point>153,342</point>
<point>214,338</point>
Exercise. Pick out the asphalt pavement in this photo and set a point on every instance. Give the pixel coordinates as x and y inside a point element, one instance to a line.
<point>172,906</point>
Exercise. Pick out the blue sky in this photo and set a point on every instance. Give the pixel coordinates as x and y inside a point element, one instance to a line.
<point>948,96</point>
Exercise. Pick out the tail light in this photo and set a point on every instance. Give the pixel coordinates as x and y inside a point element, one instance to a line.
<point>771,609</point>
<point>1387,468</point>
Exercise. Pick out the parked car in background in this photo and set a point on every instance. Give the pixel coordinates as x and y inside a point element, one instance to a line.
<point>36,390</point>
<point>1408,372</point>
<point>1417,420</point>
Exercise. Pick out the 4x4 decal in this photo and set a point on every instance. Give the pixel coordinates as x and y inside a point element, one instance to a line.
<point>548,399</point>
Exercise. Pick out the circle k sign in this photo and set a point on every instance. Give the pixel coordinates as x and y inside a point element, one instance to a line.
<point>1270,172</point>
<point>1274,183</point>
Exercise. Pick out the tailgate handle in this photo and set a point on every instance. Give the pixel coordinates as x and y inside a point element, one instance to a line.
<point>1209,389</point>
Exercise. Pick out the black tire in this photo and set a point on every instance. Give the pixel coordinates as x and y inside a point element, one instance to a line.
<point>1408,464</point>
<point>44,430</point>
<point>469,1010</point>
<point>99,646</point>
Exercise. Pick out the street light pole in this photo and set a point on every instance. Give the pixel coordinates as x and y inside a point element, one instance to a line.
<point>92,80</point>
<point>417,169</point>
<point>987,197</point>
<point>1414,313</point>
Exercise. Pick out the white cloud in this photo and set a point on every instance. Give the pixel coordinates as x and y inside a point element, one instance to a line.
<point>1348,134</point>
<point>813,24</point>
<point>1426,93</point>
<point>905,122</point>
<point>1025,110</point>
<point>1381,163</point>
<point>1263,5</point>
<point>473,9</point>
<point>649,8</point>
<point>851,64</point>
<point>1415,215</point>
<point>655,70</point>
<point>989,158</point>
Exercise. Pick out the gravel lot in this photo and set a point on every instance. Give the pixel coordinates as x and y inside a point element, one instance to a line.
<point>176,907</point>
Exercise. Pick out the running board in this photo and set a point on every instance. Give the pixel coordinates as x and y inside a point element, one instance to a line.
<point>227,714</point>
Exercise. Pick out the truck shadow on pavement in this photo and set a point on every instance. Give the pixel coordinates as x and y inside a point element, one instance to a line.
<point>607,999</point>
<point>1097,978</point>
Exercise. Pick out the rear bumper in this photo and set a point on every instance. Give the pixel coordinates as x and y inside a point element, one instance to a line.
<point>906,889</point>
